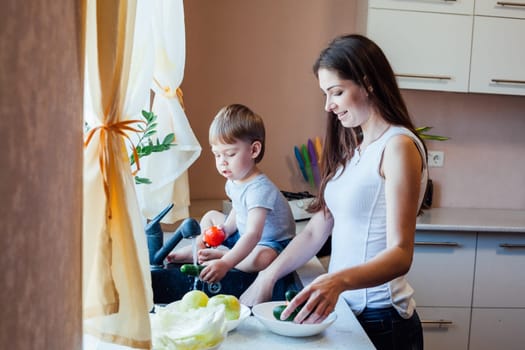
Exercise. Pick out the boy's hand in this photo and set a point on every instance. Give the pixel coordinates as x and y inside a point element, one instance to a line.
<point>208,254</point>
<point>214,271</point>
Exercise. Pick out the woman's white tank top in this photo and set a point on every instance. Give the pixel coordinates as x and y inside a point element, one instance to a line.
<point>356,200</point>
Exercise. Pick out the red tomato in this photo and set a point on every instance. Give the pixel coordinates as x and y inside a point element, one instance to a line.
<point>213,236</point>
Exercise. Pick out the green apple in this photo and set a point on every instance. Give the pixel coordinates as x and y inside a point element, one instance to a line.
<point>232,306</point>
<point>193,299</point>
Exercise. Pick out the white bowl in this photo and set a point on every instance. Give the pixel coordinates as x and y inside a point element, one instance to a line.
<point>232,324</point>
<point>264,313</point>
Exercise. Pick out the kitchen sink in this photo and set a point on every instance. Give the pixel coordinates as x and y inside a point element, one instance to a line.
<point>169,284</point>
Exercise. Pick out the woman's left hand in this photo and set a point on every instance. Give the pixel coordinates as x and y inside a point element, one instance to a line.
<point>319,299</point>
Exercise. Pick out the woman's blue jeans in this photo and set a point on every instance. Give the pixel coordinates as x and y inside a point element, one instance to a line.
<point>389,331</point>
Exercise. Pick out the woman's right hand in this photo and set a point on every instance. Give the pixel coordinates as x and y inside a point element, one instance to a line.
<point>258,292</point>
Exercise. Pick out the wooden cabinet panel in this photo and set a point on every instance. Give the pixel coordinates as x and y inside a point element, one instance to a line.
<point>497,329</point>
<point>445,328</point>
<point>500,271</point>
<point>443,268</point>
<point>498,56</point>
<point>428,51</point>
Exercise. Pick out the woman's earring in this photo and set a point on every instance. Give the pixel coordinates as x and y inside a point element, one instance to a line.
<point>367,83</point>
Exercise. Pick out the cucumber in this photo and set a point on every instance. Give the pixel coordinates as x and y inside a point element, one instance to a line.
<point>290,294</point>
<point>191,269</point>
<point>278,310</point>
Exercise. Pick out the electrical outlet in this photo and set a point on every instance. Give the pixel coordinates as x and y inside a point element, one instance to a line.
<point>436,159</point>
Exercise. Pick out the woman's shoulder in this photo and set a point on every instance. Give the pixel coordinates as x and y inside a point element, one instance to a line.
<point>396,130</point>
<point>399,136</point>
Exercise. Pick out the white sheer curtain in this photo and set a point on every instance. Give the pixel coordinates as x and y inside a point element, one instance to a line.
<point>130,45</point>
<point>168,170</point>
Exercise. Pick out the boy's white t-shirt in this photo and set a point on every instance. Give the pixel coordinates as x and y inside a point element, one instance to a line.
<point>356,200</point>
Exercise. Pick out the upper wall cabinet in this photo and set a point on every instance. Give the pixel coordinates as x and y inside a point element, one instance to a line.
<point>498,56</point>
<point>498,48</point>
<point>427,50</point>
<point>462,46</point>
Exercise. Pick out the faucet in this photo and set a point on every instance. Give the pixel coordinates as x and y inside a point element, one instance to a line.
<point>158,251</point>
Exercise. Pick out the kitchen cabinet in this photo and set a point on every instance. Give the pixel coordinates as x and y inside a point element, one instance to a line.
<point>500,266</point>
<point>462,46</point>
<point>470,288</point>
<point>436,254</point>
<point>445,328</point>
<point>498,308</point>
<point>436,56</point>
<point>497,329</point>
<point>442,275</point>
<point>498,56</point>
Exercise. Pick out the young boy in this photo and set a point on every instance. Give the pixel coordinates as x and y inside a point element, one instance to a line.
<point>260,224</point>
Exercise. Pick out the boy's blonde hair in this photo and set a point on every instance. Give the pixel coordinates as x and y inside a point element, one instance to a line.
<point>237,122</point>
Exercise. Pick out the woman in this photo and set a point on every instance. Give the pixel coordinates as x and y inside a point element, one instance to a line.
<point>373,181</point>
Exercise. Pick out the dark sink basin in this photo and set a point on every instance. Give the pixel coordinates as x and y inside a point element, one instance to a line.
<point>169,284</point>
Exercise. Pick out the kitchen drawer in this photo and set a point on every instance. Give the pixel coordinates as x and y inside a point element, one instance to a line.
<point>465,7</point>
<point>445,328</point>
<point>443,268</point>
<point>497,329</point>
<point>499,279</point>
<point>512,9</point>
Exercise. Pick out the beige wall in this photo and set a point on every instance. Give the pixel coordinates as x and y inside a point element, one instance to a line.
<point>260,53</point>
<point>40,176</point>
<point>485,157</point>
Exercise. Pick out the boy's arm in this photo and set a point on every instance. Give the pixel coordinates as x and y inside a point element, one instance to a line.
<point>230,225</point>
<point>249,239</point>
<point>217,269</point>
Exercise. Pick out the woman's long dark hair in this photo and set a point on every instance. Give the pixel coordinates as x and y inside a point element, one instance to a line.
<point>357,58</point>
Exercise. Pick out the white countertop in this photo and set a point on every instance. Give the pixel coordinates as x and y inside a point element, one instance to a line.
<point>467,219</point>
<point>442,219</point>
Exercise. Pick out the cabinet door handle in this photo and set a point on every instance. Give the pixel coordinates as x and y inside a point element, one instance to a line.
<point>439,244</point>
<point>424,76</point>
<point>511,245</point>
<point>510,3</point>
<point>507,81</point>
<point>440,323</point>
